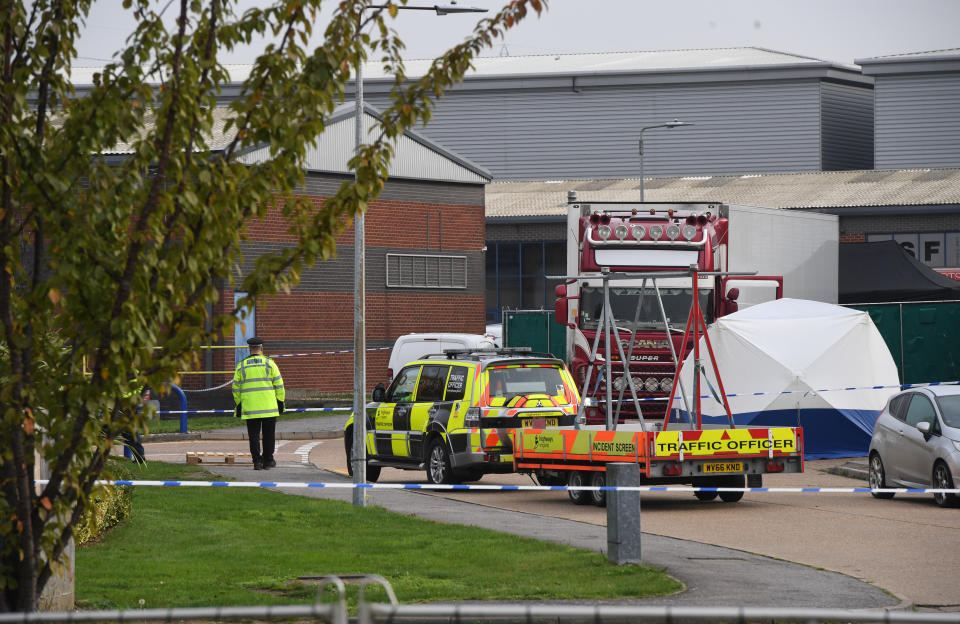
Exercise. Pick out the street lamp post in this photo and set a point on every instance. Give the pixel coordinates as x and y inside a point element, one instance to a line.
<point>669,124</point>
<point>359,455</point>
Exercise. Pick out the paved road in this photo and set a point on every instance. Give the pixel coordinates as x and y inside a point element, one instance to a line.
<point>854,549</point>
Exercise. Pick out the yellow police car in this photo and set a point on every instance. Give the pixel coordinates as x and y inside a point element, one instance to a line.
<point>450,413</point>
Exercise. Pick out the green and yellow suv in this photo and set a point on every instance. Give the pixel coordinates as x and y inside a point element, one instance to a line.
<point>451,413</point>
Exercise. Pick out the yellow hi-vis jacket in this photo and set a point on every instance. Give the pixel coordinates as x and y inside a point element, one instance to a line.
<point>257,386</point>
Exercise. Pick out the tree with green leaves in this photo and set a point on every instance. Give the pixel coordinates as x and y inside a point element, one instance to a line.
<point>109,264</point>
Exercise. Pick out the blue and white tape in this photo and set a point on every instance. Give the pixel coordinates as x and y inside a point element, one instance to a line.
<point>677,397</point>
<point>524,488</point>
<point>279,355</point>
<point>285,411</point>
<point>274,356</point>
<point>624,400</point>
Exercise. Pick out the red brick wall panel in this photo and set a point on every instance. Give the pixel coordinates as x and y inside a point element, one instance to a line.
<point>321,322</point>
<point>855,237</point>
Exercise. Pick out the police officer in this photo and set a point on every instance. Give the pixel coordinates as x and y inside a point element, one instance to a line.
<point>258,394</point>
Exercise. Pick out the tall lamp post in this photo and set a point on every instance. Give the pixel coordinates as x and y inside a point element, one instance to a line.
<point>669,124</point>
<point>359,304</point>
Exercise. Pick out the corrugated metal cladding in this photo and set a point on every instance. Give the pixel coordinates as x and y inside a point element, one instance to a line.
<point>398,189</point>
<point>411,159</point>
<point>549,133</point>
<point>846,121</point>
<point>917,120</point>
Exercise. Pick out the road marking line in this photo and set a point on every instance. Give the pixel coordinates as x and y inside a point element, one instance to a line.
<point>304,452</point>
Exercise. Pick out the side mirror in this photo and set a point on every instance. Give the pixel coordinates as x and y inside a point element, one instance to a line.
<point>560,305</point>
<point>733,294</point>
<point>379,393</point>
<point>924,428</point>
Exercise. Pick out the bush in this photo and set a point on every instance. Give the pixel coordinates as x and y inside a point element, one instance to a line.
<point>108,505</point>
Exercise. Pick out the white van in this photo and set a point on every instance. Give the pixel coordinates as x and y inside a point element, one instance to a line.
<point>412,347</point>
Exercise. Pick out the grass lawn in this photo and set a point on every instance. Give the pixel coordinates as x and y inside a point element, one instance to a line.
<point>189,547</point>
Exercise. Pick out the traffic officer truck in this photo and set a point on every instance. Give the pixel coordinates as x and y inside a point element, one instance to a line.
<point>703,458</point>
<point>452,414</point>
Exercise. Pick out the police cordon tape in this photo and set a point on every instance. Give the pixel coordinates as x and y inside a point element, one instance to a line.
<point>283,355</point>
<point>524,488</point>
<point>285,411</point>
<point>677,397</point>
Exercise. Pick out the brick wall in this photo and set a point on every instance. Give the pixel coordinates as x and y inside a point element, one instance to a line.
<point>318,316</point>
<point>322,323</point>
<point>856,237</point>
<point>909,221</point>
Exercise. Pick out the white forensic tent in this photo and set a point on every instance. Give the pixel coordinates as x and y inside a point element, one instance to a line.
<point>794,362</point>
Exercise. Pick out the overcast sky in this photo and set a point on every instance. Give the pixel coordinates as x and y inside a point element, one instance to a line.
<point>833,30</point>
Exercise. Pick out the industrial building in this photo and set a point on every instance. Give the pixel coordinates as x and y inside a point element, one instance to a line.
<point>877,144</point>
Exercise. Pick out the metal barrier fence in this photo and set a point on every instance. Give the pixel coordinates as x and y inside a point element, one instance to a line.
<point>392,611</point>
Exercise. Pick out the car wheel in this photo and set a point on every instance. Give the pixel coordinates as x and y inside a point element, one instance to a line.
<point>943,481</point>
<point>734,481</point>
<point>348,447</point>
<point>877,477</point>
<point>598,497</point>
<point>577,479</point>
<point>373,472</point>
<point>438,464</point>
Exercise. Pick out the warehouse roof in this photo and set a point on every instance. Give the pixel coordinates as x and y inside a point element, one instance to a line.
<point>620,62</point>
<point>415,156</point>
<point>587,64</point>
<point>814,190</point>
<point>913,62</point>
<point>923,54</point>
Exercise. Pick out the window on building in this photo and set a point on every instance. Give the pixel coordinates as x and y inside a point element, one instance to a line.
<point>426,271</point>
<point>516,275</point>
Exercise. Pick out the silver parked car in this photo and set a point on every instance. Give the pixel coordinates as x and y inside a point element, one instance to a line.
<point>916,442</point>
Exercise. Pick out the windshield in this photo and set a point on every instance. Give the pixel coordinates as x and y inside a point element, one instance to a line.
<point>676,304</point>
<point>511,381</point>
<point>950,409</point>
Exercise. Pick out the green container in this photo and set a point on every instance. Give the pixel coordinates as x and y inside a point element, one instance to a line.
<point>534,329</point>
<point>923,338</point>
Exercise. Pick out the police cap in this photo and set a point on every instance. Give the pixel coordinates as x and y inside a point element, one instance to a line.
<point>254,342</point>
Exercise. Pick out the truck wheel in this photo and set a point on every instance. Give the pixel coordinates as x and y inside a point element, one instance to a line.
<point>438,464</point>
<point>471,474</point>
<point>579,497</point>
<point>549,478</point>
<point>707,482</point>
<point>734,481</point>
<point>598,497</point>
